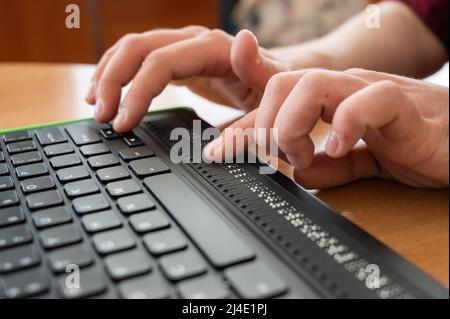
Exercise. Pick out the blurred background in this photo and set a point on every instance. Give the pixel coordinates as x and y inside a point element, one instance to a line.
<point>34,30</point>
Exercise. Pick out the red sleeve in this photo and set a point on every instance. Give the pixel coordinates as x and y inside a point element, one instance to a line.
<point>434,14</point>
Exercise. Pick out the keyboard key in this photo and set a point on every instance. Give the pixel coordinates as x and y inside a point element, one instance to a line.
<point>65,161</point>
<point>113,241</point>
<point>164,242</point>
<point>147,222</point>
<point>83,134</point>
<point>6,183</point>
<point>148,166</point>
<point>103,161</point>
<point>101,221</point>
<point>81,188</point>
<point>21,147</point>
<point>206,287</point>
<point>112,174</point>
<point>130,154</point>
<point>32,170</point>
<point>255,280</point>
<point>11,215</point>
<point>135,203</point>
<point>74,255</point>
<point>26,158</point>
<point>123,188</point>
<point>128,264</point>
<point>14,236</point>
<point>92,283</point>
<point>4,170</point>
<point>25,284</point>
<point>2,157</point>
<point>8,198</point>
<point>44,200</point>
<point>193,214</point>
<point>18,258</point>
<point>94,149</point>
<point>90,204</point>
<point>49,136</point>
<point>16,137</point>
<point>110,134</point>
<point>132,141</point>
<point>144,287</point>
<point>51,217</point>
<point>37,184</point>
<point>60,236</point>
<point>72,174</point>
<point>59,149</point>
<point>182,265</point>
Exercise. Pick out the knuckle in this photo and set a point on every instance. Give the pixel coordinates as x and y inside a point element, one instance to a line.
<point>277,82</point>
<point>286,141</point>
<point>356,71</point>
<point>197,29</point>
<point>388,88</point>
<point>156,57</point>
<point>313,79</point>
<point>217,34</point>
<point>130,42</point>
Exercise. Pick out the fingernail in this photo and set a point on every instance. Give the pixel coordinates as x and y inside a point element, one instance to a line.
<point>213,151</point>
<point>120,118</point>
<point>98,107</point>
<point>332,143</point>
<point>90,92</point>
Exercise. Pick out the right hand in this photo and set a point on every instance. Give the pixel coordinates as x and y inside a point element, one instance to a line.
<point>230,70</point>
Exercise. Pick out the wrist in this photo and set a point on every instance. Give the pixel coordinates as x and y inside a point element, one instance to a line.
<point>305,56</point>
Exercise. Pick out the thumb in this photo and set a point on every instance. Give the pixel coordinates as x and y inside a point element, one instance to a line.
<point>252,65</point>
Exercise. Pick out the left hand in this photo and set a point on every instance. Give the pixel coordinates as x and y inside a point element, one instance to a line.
<point>404,124</point>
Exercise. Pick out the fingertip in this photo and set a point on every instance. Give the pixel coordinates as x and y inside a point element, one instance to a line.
<point>90,94</point>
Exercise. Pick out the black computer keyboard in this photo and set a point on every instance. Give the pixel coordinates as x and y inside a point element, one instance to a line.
<point>113,206</point>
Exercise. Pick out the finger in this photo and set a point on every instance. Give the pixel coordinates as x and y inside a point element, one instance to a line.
<point>316,95</point>
<point>249,63</point>
<point>125,63</point>
<point>384,111</point>
<point>90,96</point>
<point>201,56</point>
<point>233,139</point>
<point>277,89</point>
<point>326,172</point>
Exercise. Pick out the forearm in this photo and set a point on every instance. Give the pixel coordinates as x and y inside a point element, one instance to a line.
<point>402,45</point>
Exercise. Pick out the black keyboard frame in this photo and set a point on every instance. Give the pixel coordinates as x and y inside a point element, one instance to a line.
<point>307,281</point>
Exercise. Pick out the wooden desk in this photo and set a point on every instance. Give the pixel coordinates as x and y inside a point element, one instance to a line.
<point>413,222</point>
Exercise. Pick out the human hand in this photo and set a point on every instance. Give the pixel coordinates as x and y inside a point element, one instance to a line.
<point>230,70</point>
<point>403,123</point>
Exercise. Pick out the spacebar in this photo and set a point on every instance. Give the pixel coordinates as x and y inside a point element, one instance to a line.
<point>218,240</point>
